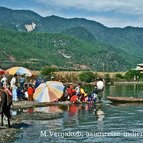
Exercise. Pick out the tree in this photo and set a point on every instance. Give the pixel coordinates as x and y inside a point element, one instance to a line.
<point>107,78</point>
<point>119,77</point>
<point>87,76</point>
<point>132,75</point>
<point>48,71</point>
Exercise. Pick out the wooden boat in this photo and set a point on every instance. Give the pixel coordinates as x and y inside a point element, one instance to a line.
<point>125,99</point>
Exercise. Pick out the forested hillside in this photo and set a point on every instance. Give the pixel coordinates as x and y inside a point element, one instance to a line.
<point>38,49</point>
<point>77,43</point>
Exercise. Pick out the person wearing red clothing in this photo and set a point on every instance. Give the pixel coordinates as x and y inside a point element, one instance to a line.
<point>71,91</point>
<point>30,92</point>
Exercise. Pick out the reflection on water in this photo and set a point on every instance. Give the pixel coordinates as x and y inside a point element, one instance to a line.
<point>129,90</point>
<point>90,123</point>
<point>49,109</point>
<point>88,120</point>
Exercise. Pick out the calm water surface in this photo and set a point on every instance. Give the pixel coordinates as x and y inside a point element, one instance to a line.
<point>101,123</point>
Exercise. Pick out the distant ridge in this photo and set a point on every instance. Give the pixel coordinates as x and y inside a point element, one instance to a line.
<point>120,45</point>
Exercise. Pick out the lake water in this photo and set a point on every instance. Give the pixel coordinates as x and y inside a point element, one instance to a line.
<point>101,123</point>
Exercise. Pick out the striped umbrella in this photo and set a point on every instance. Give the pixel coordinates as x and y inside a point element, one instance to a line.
<point>49,91</point>
<point>19,71</point>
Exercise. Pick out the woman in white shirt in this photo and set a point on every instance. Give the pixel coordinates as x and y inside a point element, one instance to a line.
<point>14,87</point>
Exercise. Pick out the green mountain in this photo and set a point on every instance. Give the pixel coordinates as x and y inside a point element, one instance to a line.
<point>80,33</point>
<point>39,49</point>
<point>104,48</point>
<point>17,19</point>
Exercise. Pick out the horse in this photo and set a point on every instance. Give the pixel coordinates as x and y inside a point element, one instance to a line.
<point>6,102</point>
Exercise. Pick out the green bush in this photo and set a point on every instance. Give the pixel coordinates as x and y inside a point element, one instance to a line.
<point>48,71</point>
<point>141,77</point>
<point>119,76</point>
<point>107,78</point>
<point>132,75</point>
<point>87,76</point>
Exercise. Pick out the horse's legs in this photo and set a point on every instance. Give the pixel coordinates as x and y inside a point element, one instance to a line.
<point>1,118</point>
<point>9,122</point>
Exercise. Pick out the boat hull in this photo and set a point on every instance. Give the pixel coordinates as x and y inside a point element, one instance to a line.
<point>125,99</point>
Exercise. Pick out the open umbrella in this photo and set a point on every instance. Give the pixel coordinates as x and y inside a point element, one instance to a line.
<point>49,91</point>
<point>19,71</point>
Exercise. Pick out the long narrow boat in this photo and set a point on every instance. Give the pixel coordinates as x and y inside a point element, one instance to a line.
<point>125,99</point>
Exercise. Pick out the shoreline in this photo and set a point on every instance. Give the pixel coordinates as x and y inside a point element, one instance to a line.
<point>32,104</point>
<point>128,82</point>
<point>17,124</point>
<point>108,83</point>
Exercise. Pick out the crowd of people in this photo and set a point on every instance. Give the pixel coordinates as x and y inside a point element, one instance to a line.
<point>18,87</point>
<point>78,94</point>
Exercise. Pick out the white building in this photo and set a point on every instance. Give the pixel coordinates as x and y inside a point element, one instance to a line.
<point>139,67</point>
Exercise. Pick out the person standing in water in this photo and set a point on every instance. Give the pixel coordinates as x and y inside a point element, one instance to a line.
<point>100,88</point>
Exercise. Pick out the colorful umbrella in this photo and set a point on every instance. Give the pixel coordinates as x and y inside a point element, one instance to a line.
<point>19,71</point>
<point>49,91</point>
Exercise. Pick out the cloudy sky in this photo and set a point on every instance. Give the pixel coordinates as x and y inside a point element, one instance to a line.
<point>111,13</point>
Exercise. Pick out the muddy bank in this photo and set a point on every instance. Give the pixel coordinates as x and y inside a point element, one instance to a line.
<point>17,124</point>
<point>7,135</point>
<point>28,104</point>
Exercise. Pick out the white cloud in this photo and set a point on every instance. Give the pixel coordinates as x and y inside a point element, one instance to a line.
<point>111,13</point>
<point>116,22</point>
<point>121,6</point>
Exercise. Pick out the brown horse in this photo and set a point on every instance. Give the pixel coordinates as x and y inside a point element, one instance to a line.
<point>6,102</point>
